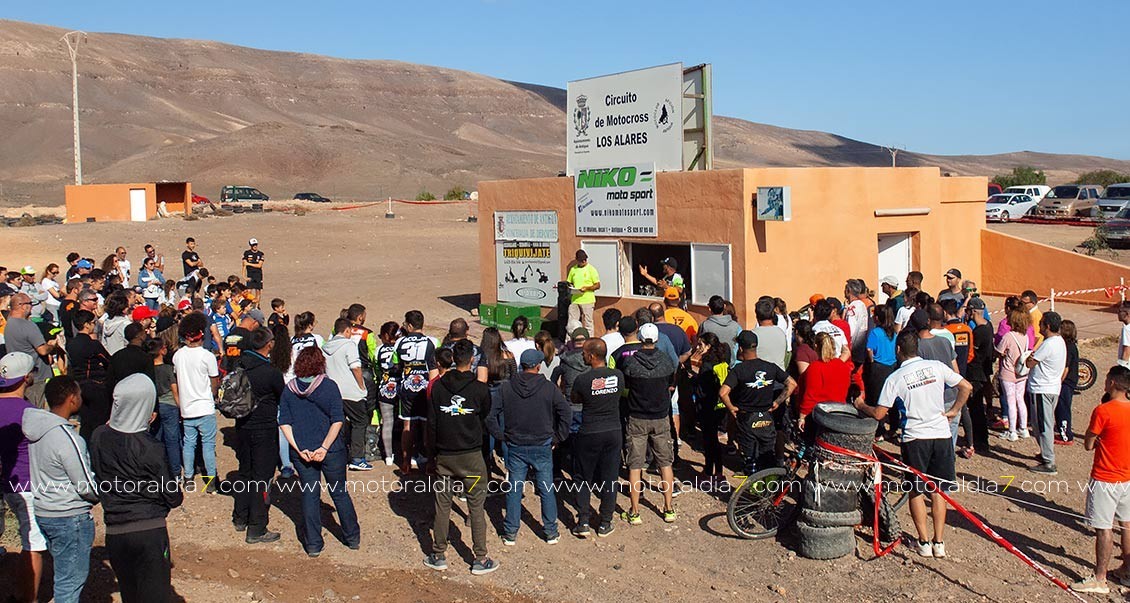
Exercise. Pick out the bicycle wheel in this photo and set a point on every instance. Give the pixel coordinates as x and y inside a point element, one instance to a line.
<point>764,502</point>
<point>1088,375</point>
<point>894,491</point>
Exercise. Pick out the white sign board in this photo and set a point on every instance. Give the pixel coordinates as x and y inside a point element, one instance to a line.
<point>525,226</point>
<point>616,201</point>
<point>774,204</point>
<point>626,118</point>
<point>528,271</point>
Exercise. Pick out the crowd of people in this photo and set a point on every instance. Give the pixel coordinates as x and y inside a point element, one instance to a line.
<point>110,379</point>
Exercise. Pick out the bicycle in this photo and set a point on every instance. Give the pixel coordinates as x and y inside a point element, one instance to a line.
<point>770,499</point>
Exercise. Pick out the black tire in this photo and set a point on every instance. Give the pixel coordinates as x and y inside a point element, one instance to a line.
<point>836,476</point>
<point>895,492</point>
<point>830,499</point>
<point>889,527</point>
<point>825,543</point>
<point>843,418</point>
<point>1088,375</point>
<point>862,444</point>
<point>1004,217</point>
<point>826,519</point>
<point>763,503</point>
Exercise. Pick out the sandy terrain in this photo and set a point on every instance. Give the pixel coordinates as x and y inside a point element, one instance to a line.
<point>332,258</point>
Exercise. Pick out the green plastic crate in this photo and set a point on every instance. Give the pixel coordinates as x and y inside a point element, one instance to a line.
<point>487,315</point>
<point>506,312</point>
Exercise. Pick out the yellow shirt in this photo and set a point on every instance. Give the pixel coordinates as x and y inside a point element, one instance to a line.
<point>1037,314</point>
<point>583,276</point>
<point>683,320</point>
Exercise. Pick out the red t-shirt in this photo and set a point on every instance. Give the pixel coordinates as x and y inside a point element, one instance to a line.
<point>1111,422</point>
<point>825,382</point>
<point>843,325</point>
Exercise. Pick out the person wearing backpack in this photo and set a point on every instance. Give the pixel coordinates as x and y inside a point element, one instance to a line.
<point>256,446</point>
<point>198,381</point>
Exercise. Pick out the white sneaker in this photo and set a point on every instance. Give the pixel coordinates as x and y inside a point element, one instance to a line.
<point>939,550</point>
<point>1023,433</point>
<point>925,550</point>
<point>1004,435</point>
<point>1013,436</point>
<point>388,461</point>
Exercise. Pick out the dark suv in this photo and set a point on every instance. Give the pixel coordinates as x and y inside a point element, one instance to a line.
<point>230,194</point>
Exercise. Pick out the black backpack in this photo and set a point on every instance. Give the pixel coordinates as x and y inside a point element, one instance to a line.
<point>236,400</point>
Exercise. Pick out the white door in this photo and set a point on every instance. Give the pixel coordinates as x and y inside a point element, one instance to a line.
<point>605,257</point>
<point>894,258</point>
<point>137,205</point>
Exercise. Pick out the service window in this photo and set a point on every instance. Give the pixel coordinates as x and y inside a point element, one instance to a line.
<point>651,257</point>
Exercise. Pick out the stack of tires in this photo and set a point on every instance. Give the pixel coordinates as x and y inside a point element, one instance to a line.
<point>830,509</point>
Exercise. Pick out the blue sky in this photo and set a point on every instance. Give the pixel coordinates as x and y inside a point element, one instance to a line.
<point>954,78</point>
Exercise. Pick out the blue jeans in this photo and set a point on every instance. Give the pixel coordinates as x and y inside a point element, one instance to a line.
<point>169,432</point>
<point>203,429</point>
<point>69,540</point>
<point>310,476</point>
<point>151,302</point>
<point>519,461</point>
<point>284,453</point>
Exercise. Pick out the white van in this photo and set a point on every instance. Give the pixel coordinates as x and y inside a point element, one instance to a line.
<point>1036,191</point>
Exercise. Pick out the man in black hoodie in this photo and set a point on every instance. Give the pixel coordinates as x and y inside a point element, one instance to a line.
<point>458,405</point>
<point>257,443</point>
<point>650,375</point>
<point>132,358</point>
<point>536,416</point>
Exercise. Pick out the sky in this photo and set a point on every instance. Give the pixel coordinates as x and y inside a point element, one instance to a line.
<point>958,77</point>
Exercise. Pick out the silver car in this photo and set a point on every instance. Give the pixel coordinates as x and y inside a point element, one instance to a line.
<point>1113,200</point>
<point>1069,201</point>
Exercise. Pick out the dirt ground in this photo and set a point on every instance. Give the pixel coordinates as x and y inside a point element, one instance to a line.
<point>427,259</point>
<point>1063,236</point>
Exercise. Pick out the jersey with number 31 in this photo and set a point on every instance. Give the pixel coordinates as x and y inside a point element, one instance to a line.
<point>416,356</point>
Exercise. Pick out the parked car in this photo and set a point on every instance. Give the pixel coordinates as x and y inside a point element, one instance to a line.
<point>995,189</point>
<point>1118,229</point>
<point>1113,200</point>
<point>199,200</point>
<point>1036,191</point>
<point>1070,200</point>
<point>315,197</point>
<point>232,194</point>
<point>1005,207</point>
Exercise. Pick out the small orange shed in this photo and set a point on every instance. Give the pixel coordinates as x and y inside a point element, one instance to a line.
<point>127,202</point>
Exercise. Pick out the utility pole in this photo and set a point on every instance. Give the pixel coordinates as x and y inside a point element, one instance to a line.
<point>72,40</point>
<point>894,151</point>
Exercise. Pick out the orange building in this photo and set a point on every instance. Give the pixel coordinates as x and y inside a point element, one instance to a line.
<point>132,202</point>
<point>845,223</point>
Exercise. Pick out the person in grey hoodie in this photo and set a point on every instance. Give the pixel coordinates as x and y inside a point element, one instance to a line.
<point>536,416</point>
<point>64,485</point>
<point>138,490</point>
<point>343,367</point>
<point>721,324</point>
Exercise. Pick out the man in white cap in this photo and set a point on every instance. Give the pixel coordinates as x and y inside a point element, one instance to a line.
<point>253,270</point>
<point>890,287</point>
<point>16,375</point>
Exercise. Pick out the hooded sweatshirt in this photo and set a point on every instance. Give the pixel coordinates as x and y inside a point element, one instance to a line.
<point>138,488</point>
<point>456,410</point>
<point>341,357</point>
<point>572,365</point>
<point>114,333</point>
<point>722,325</point>
<point>61,476</point>
<point>649,372</point>
<point>532,409</point>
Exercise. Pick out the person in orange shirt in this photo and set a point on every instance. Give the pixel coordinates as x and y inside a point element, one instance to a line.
<point>1108,492</point>
<point>678,316</point>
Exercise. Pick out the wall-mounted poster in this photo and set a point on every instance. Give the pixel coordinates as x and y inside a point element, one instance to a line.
<point>527,271</point>
<point>774,204</point>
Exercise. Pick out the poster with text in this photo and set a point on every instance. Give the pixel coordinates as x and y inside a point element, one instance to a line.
<point>527,271</point>
<point>525,226</point>
<point>625,118</point>
<point>616,201</point>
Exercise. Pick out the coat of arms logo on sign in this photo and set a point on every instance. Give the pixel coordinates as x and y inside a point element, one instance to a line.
<point>581,116</point>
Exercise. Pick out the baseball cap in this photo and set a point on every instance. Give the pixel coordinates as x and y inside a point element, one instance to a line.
<point>253,242</point>
<point>532,358</point>
<point>975,303</point>
<point>257,315</point>
<point>649,333</point>
<point>815,297</point>
<point>672,262</point>
<point>747,340</point>
<point>919,320</point>
<point>85,264</point>
<point>890,280</point>
<point>14,368</point>
<point>581,255</point>
<point>184,304</point>
<point>27,270</point>
<point>671,293</point>
<point>142,312</point>
<point>954,272</point>
<point>579,333</point>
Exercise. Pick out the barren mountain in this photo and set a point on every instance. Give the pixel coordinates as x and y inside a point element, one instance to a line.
<point>215,114</point>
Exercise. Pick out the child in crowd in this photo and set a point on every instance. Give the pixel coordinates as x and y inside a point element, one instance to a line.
<point>278,314</point>
<point>221,325</point>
